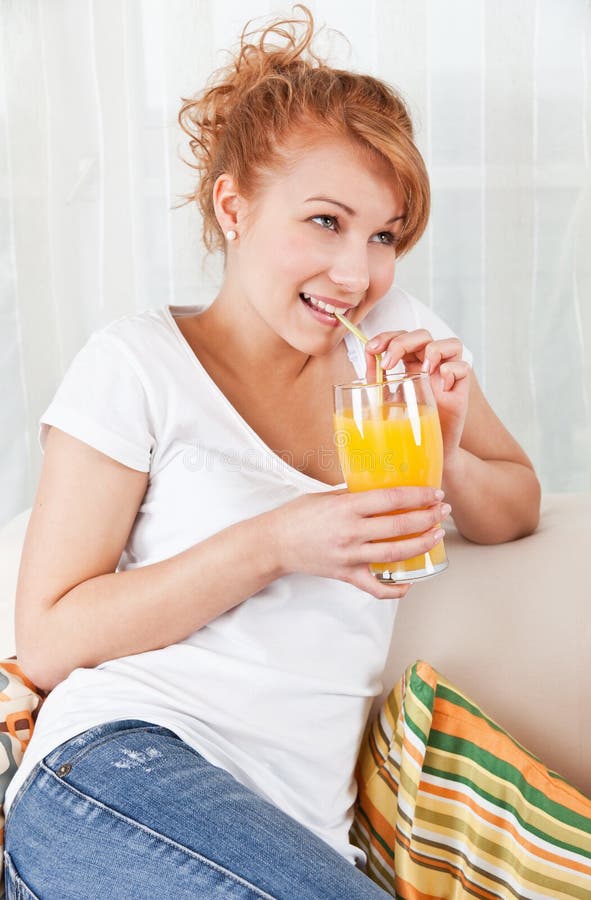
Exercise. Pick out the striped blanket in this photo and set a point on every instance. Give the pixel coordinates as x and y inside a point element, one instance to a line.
<point>450,806</point>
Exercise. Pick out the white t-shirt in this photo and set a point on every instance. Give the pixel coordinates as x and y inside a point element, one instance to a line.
<point>277,690</point>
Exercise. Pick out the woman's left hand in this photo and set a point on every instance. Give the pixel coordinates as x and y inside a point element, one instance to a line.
<point>448,373</point>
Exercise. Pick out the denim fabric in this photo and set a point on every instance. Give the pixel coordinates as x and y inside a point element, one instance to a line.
<point>128,810</point>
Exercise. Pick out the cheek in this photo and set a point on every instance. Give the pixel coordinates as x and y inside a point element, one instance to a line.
<point>381,276</point>
<point>296,256</point>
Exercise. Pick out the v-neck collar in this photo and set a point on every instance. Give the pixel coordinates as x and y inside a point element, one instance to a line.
<point>280,464</point>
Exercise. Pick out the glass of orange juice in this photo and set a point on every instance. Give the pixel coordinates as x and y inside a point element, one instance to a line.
<point>388,435</point>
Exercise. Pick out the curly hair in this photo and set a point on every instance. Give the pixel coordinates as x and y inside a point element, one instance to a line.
<point>276,86</point>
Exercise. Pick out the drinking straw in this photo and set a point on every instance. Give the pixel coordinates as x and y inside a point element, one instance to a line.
<point>364,339</point>
<point>375,402</point>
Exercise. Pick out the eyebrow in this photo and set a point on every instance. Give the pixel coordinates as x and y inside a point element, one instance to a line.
<point>347,209</point>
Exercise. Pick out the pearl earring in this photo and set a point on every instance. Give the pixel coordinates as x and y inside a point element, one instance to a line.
<point>231,235</point>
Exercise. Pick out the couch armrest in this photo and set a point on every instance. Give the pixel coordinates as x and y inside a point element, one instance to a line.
<point>511,625</point>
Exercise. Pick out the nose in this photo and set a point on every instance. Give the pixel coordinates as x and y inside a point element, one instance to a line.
<point>350,269</point>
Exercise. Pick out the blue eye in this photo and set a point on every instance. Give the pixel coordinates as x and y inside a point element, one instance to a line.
<point>385,237</point>
<point>328,222</point>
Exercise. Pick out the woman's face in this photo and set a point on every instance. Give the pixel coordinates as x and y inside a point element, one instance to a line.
<point>322,230</point>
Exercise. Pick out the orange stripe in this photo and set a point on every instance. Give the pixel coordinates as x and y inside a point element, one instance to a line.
<point>426,673</point>
<point>410,892</point>
<point>412,751</point>
<point>507,827</point>
<point>456,721</point>
<point>385,828</point>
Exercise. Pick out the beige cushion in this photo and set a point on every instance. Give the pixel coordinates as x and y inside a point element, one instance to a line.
<point>12,536</point>
<point>511,626</point>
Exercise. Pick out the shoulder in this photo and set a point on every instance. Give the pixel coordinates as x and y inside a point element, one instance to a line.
<point>137,332</point>
<point>132,353</point>
<point>144,341</point>
<point>108,397</point>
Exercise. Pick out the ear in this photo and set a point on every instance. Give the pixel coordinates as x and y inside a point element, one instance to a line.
<point>227,203</point>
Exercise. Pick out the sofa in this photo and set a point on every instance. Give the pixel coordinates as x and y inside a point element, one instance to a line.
<point>510,625</point>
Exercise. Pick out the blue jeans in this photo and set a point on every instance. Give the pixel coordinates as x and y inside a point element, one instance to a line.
<point>128,810</point>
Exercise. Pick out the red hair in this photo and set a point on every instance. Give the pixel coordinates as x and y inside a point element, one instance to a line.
<point>275,87</point>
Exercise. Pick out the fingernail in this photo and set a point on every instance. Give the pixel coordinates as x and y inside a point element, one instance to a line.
<point>439,534</point>
<point>446,509</point>
<point>439,495</point>
<point>426,367</point>
<point>386,363</point>
<point>371,345</point>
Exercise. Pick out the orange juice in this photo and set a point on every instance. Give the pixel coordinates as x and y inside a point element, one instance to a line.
<point>388,447</point>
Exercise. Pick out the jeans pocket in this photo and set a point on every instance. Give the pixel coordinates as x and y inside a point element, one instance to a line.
<point>63,758</point>
<point>16,889</point>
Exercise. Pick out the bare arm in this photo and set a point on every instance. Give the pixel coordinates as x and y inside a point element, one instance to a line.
<point>73,609</point>
<point>503,499</point>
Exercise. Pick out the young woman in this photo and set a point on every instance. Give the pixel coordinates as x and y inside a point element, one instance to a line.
<point>194,588</point>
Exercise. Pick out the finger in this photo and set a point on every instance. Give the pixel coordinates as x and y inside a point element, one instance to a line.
<point>365,581</point>
<point>379,343</point>
<point>398,551</point>
<point>374,347</point>
<point>370,370</point>
<point>452,372</point>
<point>438,351</point>
<point>404,344</point>
<point>382,528</point>
<point>388,500</point>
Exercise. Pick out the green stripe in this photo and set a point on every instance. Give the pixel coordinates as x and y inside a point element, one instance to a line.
<point>527,826</point>
<point>452,696</point>
<point>488,781</point>
<point>509,863</point>
<point>461,747</point>
<point>422,692</point>
<point>416,729</point>
<point>421,689</point>
<point>361,814</point>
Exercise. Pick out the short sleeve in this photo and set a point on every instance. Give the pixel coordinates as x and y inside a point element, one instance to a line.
<point>102,402</point>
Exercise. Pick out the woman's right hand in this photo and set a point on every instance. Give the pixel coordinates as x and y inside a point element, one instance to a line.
<point>330,533</point>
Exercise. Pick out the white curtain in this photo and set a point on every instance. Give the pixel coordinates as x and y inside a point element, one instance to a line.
<point>90,171</point>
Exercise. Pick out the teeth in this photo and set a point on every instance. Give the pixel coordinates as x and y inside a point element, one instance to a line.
<point>320,304</point>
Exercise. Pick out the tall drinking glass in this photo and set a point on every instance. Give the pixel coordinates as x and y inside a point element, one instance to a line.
<point>388,435</point>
